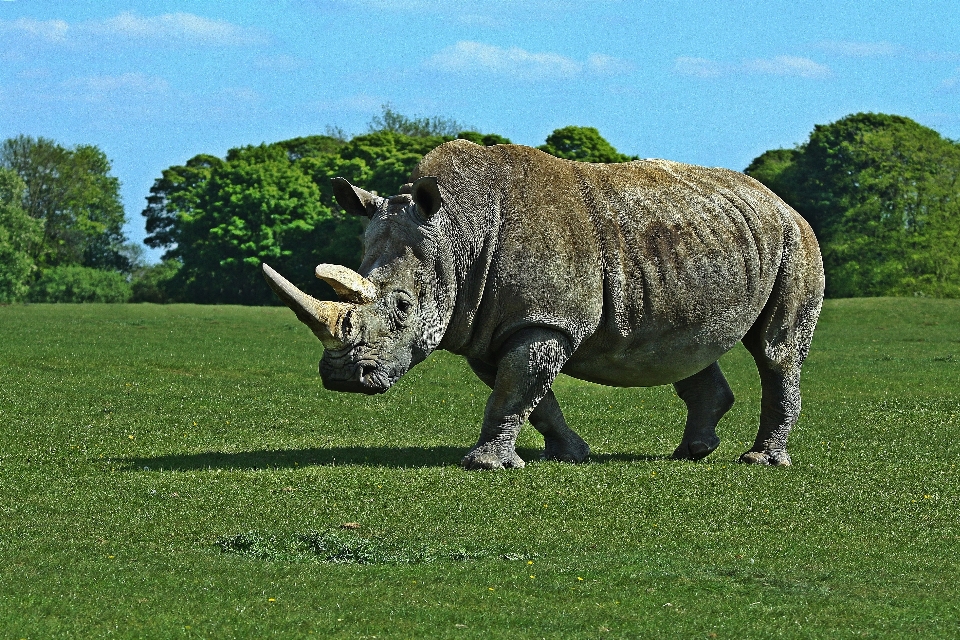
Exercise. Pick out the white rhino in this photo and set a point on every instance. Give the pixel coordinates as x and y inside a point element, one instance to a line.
<point>635,274</point>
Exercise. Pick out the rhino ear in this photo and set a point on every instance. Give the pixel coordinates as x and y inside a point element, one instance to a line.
<point>426,193</point>
<point>354,200</point>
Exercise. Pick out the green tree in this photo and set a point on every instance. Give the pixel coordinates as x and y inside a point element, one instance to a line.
<point>882,193</point>
<point>584,144</point>
<point>19,234</point>
<point>486,139</point>
<point>220,218</point>
<point>393,122</point>
<point>72,192</point>
<point>256,206</point>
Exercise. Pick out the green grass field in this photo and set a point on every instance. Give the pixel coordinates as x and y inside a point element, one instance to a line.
<point>178,471</point>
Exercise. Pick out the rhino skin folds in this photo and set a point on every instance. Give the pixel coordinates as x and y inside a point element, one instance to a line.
<point>635,274</point>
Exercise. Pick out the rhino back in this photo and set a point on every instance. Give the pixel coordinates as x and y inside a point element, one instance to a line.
<point>652,268</point>
<point>690,256</point>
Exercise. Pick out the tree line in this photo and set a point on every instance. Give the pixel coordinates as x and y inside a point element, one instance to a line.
<point>881,192</point>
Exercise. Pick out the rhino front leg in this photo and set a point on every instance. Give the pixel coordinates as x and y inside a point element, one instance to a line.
<point>528,364</point>
<point>707,396</point>
<point>560,441</point>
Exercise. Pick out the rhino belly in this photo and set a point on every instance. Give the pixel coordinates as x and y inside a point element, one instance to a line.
<point>668,338</point>
<point>652,359</point>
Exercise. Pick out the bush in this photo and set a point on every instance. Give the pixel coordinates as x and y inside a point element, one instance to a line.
<point>152,283</point>
<point>79,284</point>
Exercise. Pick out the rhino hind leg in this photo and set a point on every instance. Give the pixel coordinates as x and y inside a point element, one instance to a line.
<point>779,355</point>
<point>779,342</point>
<point>561,443</point>
<point>529,363</point>
<point>708,397</point>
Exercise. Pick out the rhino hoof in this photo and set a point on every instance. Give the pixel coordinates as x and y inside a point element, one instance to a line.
<point>480,459</point>
<point>565,451</point>
<point>773,458</point>
<point>696,450</point>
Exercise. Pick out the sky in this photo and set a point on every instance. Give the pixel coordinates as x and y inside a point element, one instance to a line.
<point>153,83</point>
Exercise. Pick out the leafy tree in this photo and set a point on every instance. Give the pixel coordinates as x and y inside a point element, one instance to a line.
<point>777,169</point>
<point>390,157</point>
<point>256,206</point>
<point>19,234</point>
<point>882,193</point>
<point>393,122</point>
<point>220,218</point>
<point>486,139</point>
<point>72,192</point>
<point>151,283</point>
<point>584,144</point>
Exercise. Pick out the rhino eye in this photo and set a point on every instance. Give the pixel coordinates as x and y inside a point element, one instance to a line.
<point>402,306</point>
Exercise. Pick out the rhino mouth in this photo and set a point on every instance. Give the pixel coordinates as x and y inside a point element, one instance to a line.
<point>363,376</point>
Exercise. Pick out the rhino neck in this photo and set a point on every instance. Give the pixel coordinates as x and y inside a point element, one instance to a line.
<point>471,269</point>
<point>470,175</point>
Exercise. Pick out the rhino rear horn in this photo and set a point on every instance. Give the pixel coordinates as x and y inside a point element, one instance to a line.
<point>349,285</point>
<point>324,318</point>
<point>354,200</point>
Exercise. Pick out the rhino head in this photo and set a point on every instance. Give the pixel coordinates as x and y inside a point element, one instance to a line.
<point>394,316</point>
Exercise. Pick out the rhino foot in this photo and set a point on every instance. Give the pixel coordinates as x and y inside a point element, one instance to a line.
<point>771,457</point>
<point>565,450</point>
<point>696,449</point>
<point>488,457</point>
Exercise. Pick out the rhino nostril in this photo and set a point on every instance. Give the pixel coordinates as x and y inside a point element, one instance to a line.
<point>346,324</point>
<point>366,371</point>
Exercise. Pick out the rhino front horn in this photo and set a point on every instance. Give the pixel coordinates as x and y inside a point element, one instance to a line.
<point>324,318</point>
<point>349,285</point>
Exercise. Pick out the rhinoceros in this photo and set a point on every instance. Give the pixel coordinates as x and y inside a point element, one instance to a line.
<point>630,275</point>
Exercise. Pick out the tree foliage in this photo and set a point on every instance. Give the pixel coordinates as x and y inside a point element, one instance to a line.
<point>584,144</point>
<point>78,202</point>
<point>221,218</point>
<point>882,194</point>
<point>19,235</point>
<point>393,122</point>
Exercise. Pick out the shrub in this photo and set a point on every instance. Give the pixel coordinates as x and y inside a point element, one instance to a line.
<point>152,283</point>
<point>79,284</point>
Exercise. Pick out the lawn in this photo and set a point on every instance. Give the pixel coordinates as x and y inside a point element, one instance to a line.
<point>179,472</point>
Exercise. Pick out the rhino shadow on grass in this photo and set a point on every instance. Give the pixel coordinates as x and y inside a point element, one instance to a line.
<point>392,457</point>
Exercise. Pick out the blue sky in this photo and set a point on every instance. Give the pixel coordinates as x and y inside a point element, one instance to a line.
<point>153,83</point>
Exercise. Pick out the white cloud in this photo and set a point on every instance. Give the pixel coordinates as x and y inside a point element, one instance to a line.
<point>604,64</point>
<point>952,83</point>
<point>476,57</point>
<point>52,30</point>
<point>181,27</point>
<point>885,49</point>
<point>699,67</point>
<point>128,83</point>
<point>860,49</point>
<point>787,66</point>
<point>174,28</point>
<point>777,66</point>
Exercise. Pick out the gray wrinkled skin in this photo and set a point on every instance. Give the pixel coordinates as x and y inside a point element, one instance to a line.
<point>634,274</point>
